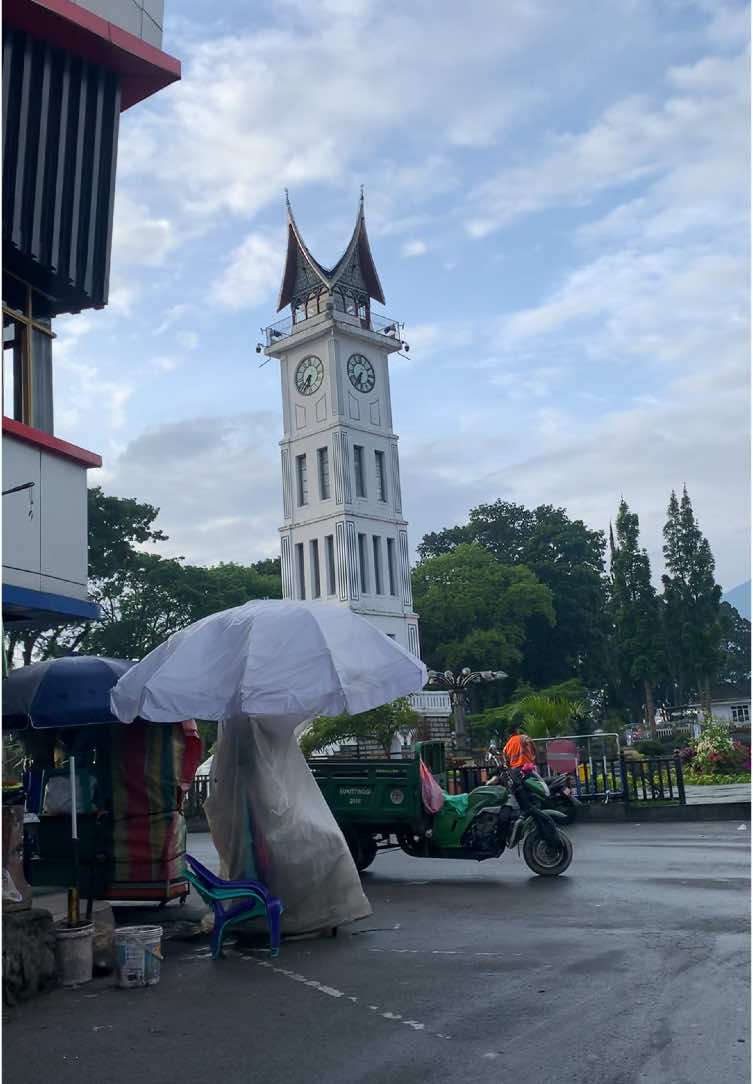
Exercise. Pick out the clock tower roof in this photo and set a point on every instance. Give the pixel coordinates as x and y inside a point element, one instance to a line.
<point>353,275</point>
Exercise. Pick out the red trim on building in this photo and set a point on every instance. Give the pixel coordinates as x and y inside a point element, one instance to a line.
<point>143,69</point>
<point>51,444</point>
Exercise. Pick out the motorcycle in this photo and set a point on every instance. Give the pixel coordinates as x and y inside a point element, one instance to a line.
<point>490,819</point>
<point>559,795</point>
<point>562,796</point>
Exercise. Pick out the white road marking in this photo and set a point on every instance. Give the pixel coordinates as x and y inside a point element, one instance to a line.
<point>331,991</point>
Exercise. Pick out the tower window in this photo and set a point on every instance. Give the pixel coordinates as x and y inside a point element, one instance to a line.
<point>391,568</point>
<point>300,569</point>
<point>323,457</point>
<point>381,477</point>
<point>358,464</point>
<point>302,480</point>
<point>378,584</point>
<point>329,549</point>
<point>316,583</point>
<point>362,559</point>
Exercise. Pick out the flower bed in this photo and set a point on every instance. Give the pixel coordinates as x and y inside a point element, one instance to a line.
<point>715,757</point>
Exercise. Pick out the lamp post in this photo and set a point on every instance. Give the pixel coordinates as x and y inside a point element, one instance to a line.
<point>457,686</point>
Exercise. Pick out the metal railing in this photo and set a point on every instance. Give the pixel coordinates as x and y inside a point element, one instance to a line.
<point>375,322</point>
<point>625,779</point>
<point>653,779</point>
<point>196,795</point>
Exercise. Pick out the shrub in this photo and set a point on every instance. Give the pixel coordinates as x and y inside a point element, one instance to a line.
<point>717,753</point>
<point>650,747</point>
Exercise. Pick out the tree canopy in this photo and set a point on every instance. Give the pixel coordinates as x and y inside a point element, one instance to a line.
<point>637,637</point>
<point>143,597</point>
<point>562,554</point>
<point>475,610</point>
<point>691,603</point>
<point>379,724</point>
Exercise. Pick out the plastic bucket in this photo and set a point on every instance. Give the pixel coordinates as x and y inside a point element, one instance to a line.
<point>73,952</point>
<point>138,951</point>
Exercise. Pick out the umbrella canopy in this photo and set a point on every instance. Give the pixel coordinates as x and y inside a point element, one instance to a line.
<point>272,658</point>
<point>71,691</point>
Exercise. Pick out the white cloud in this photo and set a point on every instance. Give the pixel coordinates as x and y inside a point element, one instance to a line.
<point>216,483</point>
<point>164,364</point>
<point>171,316</point>
<point>189,340</point>
<point>414,248</point>
<point>693,436</point>
<point>138,236</point>
<point>252,274</point>
<point>635,139</point>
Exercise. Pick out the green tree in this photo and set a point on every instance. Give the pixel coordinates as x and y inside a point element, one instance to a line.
<point>691,603</point>
<point>143,597</point>
<point>565,556</point>
<point>474,610</point>
<point>379,724</point>
<point>494,723</point>
<point>542,716</point>
<point>116,526</point>
<point>735,647</point>
<point>636,616</point>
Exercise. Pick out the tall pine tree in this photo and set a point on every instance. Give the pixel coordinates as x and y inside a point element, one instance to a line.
<point>691,603</point>
<point>636,619</point>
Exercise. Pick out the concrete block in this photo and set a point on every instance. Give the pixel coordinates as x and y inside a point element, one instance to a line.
<point>28,954</point>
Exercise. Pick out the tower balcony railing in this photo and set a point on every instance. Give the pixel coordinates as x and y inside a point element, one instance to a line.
<point>373,322</point>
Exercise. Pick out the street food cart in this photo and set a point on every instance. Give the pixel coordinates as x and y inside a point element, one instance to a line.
<point>130,785</point>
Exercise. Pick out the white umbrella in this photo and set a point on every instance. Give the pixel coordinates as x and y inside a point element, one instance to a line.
<point>265,668</point>
<point>281,660</point>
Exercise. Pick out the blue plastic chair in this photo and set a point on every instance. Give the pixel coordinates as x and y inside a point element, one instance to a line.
<point>254,900</point>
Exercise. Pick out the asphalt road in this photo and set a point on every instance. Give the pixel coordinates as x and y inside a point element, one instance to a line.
<point>632,968</point>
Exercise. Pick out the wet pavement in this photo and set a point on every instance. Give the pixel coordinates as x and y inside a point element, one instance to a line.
<point>726,792</point>
<point>632,968</point>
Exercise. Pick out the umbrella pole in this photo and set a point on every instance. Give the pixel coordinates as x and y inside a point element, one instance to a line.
<point>73,908</point>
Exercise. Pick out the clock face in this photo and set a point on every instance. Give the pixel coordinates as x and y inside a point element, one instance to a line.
<point>361,372</point>
<point>309,375</point>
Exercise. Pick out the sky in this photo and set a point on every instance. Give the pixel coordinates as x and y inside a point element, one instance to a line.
<point>557,204</point>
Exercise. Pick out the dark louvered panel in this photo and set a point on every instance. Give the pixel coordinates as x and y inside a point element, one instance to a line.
<point>60,136</point>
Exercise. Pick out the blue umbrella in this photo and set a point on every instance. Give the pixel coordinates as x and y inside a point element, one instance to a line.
<point>71,691</point>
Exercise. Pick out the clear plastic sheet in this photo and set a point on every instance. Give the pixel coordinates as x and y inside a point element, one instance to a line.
<point>269,821</point>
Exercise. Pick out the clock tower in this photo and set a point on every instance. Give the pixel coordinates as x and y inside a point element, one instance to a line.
<point>344,538</point>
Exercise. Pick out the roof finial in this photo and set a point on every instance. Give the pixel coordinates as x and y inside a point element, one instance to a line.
<point>361,193</point>
<point>287,197</point>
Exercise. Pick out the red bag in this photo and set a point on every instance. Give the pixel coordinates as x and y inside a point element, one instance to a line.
<point>431,792</point>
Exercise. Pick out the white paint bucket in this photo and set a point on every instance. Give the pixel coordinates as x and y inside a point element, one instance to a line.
<point>138,952</point>
<point>73,952</point>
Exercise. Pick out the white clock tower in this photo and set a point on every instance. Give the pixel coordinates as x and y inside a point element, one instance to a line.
<point>344,539</point>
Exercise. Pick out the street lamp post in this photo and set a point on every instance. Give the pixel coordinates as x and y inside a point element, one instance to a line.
<point>457,686</point>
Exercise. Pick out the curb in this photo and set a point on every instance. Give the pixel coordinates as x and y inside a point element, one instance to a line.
<point>636,811</point>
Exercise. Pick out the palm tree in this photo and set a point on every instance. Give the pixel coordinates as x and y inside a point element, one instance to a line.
<point>543,716</point>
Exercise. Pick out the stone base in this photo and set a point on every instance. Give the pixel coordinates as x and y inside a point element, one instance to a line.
<point>28,954</point>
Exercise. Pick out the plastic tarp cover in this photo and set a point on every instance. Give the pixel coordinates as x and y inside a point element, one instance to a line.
<point>269,821</point>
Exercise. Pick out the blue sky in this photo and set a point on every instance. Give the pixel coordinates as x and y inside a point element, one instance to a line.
<point>557,203</point>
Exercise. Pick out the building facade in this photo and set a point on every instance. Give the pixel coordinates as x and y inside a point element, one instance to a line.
<point>69,70</point>
<point>344,538</point>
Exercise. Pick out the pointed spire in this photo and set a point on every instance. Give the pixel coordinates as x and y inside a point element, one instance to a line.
<point>354,271</point>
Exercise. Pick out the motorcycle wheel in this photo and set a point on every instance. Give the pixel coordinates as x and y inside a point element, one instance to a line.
<point>544,858</point>
<point>562,805</point>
